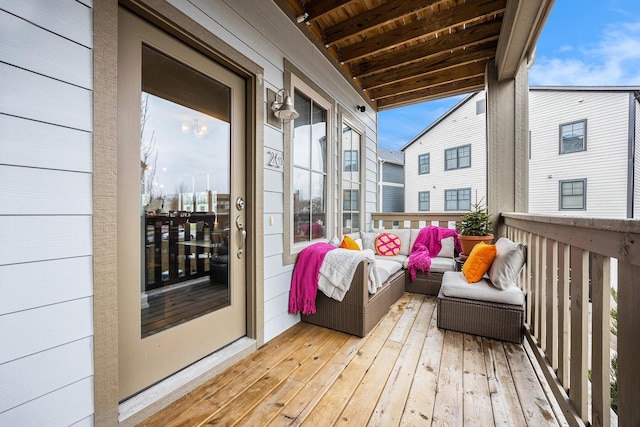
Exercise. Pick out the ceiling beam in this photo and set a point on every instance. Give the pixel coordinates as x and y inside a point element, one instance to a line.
<point>439,22</point>
<point>523,22</point>
<point>475,34</point>
<point>460,72</point>
<point>449,89</point>
<point>442,62</point>
<point>318,8</point>
<point>376,17</point>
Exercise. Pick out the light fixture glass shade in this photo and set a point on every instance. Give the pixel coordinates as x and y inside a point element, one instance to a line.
<point>284,110</point>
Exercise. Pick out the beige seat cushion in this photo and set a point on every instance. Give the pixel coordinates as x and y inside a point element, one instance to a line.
<point>455,285</point>
<point>399,259</point>
<point>386,268</point>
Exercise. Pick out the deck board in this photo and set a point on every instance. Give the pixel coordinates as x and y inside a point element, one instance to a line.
<point>405,372</point>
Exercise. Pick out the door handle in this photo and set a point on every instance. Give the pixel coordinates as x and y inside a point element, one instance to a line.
<point>243,235</point>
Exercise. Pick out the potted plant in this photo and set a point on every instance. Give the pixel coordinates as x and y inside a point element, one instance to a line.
<point>475,226</point>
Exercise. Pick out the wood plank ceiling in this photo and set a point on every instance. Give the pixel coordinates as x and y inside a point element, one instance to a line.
<point>401,52</point>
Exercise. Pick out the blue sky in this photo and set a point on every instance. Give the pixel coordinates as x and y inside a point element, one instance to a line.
<point>584,43</point>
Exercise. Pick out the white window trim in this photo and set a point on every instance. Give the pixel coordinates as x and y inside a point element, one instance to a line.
<point>345,117</point>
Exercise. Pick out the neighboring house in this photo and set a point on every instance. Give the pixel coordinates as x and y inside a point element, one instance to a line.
<point>141,163</point>
<point>445,164</point>
<point>584,150</point>
<point>391,185</point>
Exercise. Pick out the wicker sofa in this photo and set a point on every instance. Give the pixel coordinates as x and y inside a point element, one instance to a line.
<point>425,283</point>
<point>359,311</point>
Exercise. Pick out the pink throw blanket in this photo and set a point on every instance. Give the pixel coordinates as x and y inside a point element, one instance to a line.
<point>304,282</point>
<point>429,241</point>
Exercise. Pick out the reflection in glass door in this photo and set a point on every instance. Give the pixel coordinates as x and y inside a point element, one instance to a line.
<point>184,160</point>
<point>181,127</point>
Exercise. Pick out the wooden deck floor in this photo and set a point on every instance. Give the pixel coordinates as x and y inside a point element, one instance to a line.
<point>405,372</point>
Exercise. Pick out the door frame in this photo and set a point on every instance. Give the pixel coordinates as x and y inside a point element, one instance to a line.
<point>105,64</point>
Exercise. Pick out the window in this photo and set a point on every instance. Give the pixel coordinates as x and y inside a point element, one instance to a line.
<point>457,200</point>
<point>457,158</point>
<point>423,163</point>
<point>350,160</point>
<point>351,180</point>
<point>309,177</point>
<point>573,195</point>
<point>573,137</point>
<point>481,107</point>
<point>424,201</point>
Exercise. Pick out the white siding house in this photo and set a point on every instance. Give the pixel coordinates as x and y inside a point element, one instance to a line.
<point>448,159</point>
<point>605,166</point>
<point>583,142</point>
<point>47,160</point>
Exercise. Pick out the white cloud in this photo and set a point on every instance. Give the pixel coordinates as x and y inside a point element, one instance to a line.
<point>613,60</point>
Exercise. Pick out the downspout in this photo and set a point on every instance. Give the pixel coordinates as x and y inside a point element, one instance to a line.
<point>380,162</point>
<point>634,97</point>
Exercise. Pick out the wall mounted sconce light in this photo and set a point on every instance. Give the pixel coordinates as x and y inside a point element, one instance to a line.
<point>282,107</point>
<point>361,108</point>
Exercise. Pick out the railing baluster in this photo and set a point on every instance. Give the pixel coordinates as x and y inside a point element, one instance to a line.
<point>542,286</point>
<point>563,315</point>
<point>529,279</point>
<point>628,343</point>
<point>535,286</point>
<point>600,340</point>
<point>579,331</point>
<point>551,280</point>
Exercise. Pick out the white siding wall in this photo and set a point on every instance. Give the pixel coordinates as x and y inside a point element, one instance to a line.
<point>603,164</point>
<point>463,126</point>
<point>261,32</point>
<point>46,325</point>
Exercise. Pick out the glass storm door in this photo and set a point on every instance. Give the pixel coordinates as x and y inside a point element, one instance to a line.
<point>181,271</point>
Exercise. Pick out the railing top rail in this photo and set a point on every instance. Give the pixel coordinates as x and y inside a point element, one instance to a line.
<point>617,238</point>
<point>607,224</point>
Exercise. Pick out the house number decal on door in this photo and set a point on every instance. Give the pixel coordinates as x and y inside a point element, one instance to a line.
<point>276,160</point>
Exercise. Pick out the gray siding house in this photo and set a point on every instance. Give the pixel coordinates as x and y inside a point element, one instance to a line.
<point>391,186</point>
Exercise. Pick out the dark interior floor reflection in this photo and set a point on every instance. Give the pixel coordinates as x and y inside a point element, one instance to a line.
<point>172,305</point>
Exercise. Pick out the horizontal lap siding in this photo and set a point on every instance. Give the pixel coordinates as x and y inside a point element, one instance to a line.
<point>603,164</point>
<point>46,325</point>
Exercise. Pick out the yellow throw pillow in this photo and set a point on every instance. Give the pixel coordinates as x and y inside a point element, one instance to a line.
<point>349,243</point>
<point>479,261</point>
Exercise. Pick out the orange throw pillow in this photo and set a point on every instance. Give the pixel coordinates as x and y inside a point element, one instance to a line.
<point>349,243</point>
<point>479,261</point>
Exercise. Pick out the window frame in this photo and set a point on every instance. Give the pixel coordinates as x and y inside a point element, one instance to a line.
<point>457,190</point>
<point>458,148</point>
<point>561,149</point>
<point>561,195</point>
<point>428,163</point>
<point>345,118</point>
<point>296,80</point>
<point>420,201</point>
